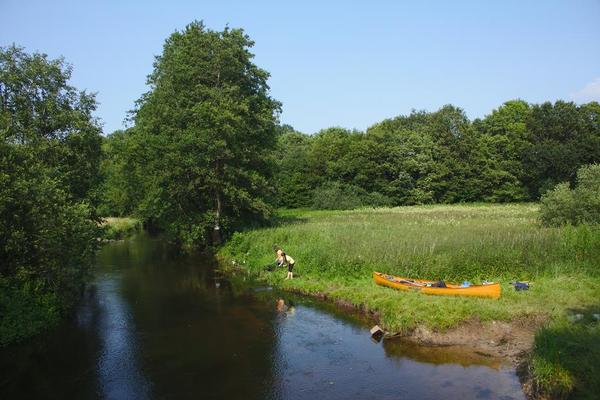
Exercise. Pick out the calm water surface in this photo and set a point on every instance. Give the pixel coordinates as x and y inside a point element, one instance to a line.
<point>158,325</point>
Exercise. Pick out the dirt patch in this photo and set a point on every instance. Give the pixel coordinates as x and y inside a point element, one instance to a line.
<point>510,340</point>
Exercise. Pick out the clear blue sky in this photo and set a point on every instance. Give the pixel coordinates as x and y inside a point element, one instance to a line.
<point>335,63</point>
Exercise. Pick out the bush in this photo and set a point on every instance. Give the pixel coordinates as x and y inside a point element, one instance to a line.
<point>563,205</point>
<point>335,196</point>
<point>25,312</point>
<point>46,245</point>
<point>376,199</point>
<point>338,196</point>
<point>588,193</point>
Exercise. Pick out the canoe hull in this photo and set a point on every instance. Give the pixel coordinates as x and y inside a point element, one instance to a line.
<point>491,290</point>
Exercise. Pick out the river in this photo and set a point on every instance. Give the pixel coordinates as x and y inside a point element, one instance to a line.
<point>155,324</point>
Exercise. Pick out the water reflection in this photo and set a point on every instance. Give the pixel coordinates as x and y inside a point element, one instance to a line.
<point>323,357</point>
<point>156,324</point>
<point>402,348</point>
<point>118,371</point>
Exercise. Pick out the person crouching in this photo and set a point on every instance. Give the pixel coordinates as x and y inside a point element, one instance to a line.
<point>284,259</point>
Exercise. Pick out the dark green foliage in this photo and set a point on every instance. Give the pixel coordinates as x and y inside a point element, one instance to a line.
<point>337,196</point>
<point>293,170</point>
<point>204,137</point>
<point>122,178</point>
<point>25,311</point>
<point>512,155</point>
<point>41,111</point>
<point>563,137</point>
<point>49,152</point>
<point>564,205</point>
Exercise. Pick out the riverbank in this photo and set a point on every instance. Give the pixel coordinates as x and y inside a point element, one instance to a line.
<point>336,252</point>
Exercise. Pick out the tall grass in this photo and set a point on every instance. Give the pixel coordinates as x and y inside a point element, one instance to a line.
<point>438,242</point>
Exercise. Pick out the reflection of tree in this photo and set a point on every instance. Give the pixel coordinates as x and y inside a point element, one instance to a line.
<point>399,348</point>
<point>60,364</point>
<point>195,337</point>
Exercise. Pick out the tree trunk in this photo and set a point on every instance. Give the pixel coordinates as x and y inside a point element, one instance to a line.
<point>216,232</point>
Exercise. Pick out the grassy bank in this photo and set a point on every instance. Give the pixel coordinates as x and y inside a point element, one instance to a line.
<point>336,253</point>
<point>114,228</point>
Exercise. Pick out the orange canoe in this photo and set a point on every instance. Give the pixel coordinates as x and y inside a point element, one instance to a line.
<point>491,290</point>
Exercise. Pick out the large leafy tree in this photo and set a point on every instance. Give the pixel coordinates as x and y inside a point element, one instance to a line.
<point>404,162</point>
<point>505,138</point>
<point>563,137</point>
<point>40,110</point>
<point>205,134</point>
<point>49,154</point>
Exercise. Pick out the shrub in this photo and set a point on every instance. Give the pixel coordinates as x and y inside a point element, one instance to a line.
<point>563,205</point>
<point>338,196</point>
<point>376,199</point>
<point>25,311</point>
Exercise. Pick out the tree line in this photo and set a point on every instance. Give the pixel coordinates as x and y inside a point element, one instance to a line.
<point>514,154</point>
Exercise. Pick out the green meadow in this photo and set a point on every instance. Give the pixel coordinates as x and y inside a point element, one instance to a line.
<point>337,251</point>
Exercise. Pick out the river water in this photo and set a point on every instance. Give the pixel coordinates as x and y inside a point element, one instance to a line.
<point>158,325</point>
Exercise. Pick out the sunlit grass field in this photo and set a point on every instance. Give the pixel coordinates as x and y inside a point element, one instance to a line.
<point>337,251</point>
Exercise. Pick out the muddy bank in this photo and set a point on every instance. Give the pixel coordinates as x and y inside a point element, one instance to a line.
<point>512,340</point>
